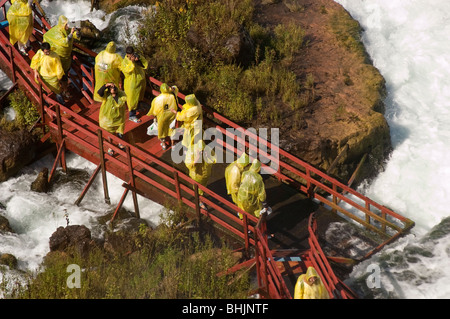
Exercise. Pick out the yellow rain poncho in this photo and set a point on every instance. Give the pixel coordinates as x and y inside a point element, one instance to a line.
<point>305,290</point>
<point>135,81</point>
<point>20,19</point>
<point>192,118</point>
<point>60,42</point>
<point>251,193</point>
<point>199,160</point>
<point>49,68</point>
<point>233,175</point>
<point>107,68</point>
<point>112,114</point>
<point>161,108</point>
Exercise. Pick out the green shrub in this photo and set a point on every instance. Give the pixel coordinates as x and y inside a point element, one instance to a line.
<point>26,112</point>
<point>170,38</point>
<point>167,262</point>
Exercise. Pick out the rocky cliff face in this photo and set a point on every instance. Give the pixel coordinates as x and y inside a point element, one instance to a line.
<point>347,113</point>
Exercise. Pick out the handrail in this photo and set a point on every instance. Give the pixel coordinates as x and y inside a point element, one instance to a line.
<point>335,287</point>
<point>374,212</point>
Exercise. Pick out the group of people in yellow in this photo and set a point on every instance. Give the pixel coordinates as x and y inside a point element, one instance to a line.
<point>51,64</point>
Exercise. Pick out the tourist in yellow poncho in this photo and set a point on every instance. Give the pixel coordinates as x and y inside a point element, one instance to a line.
<point>251,196</point>
<point>310,286</point>
<point>199,160</point>
<point>20,19</point>
<point>61,39</point>
<point>107,68</point>
<point>161,108</point>
<point>133,68</point>
<point>47,66</point>
<point>192,118</point>
<point>112,111</point>
<point>233,174</point>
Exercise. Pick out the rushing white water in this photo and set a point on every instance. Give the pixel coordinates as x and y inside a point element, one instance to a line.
<point>35,216</point>
<point>118,26</point>
<point>407,41</point>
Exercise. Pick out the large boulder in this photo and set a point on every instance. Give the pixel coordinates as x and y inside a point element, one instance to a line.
<point>17,149</point>
<point>76,237</point>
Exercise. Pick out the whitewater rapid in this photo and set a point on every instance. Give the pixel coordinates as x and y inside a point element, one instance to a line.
<point>407,41</point>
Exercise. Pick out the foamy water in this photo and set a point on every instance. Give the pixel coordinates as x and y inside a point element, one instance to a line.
<point>407,41</point>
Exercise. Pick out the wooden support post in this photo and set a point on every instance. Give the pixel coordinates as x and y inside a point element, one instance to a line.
<point>122,199</point>
<point>88,185</point>
<point>177,186</point>
<point>246,237</point>
<point>130,166</point>
<point>60,137</point>
<point>58,156</point>
<point>11,61</point>
<point>258,263</point>
<point>197,204</point>
<point>103,166</point>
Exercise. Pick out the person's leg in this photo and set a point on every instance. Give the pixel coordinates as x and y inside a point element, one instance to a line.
<point>60,99</point>
<point>132,116</point>
<point>121,146</point>
<point>22,48</point>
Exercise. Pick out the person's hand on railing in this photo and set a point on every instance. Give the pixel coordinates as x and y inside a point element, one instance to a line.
<point>36,75</point>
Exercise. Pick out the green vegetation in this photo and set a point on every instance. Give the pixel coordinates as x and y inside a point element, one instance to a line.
<point>167,262</point>
<point>188,44</point>
<point>26,112</point>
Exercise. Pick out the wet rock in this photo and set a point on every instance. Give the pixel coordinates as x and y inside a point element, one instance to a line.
<point>41,184</point>
<point>76,237</point>
<point>89,33</point>
<point>17,149</point>
<point>121,241</point>
<point>8,260</point>
<point>4,225</point>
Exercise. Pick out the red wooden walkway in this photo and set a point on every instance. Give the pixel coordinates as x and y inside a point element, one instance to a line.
<point>295,191</point>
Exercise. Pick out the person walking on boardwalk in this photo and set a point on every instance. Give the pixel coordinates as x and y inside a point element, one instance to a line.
<point>133,67</point>
<point>161,108</point>
<point>233,174</point>
<point>20,20</point>
<point>107,69</point>
<point>310,286</point>
<point>112,111</point>
<point>61,39</point>
<point>192,117</point>
<point>199,161</point>
<point>251,196</point>
<point>47,66</point>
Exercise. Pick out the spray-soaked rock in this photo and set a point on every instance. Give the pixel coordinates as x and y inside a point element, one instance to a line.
<point>76,237</point>
<point>8,260</point>
<point>4,225</point>
<point>41,184</point>
<point>17,149</point>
